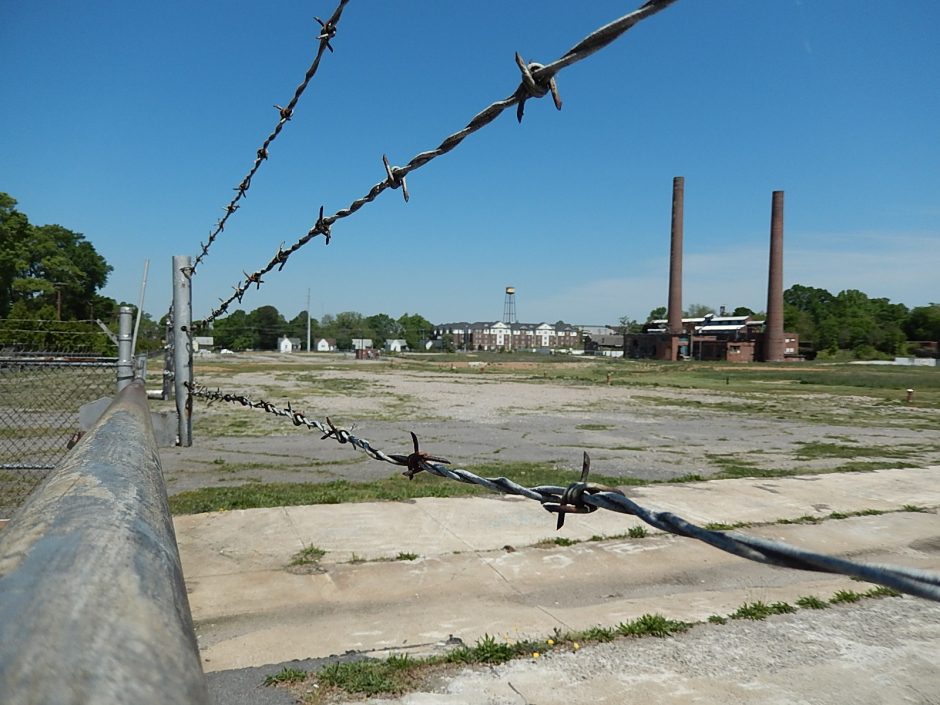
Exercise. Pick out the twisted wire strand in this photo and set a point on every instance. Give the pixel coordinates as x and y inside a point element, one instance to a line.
<point>327,33</point>
<point>537,81</point>
<point>912,581</point>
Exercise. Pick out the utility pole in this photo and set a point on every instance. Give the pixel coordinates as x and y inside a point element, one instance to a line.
<point>308,319</point>
<point>58,294</point>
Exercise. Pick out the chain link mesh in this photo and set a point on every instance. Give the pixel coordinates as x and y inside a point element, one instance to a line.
<point>40,395</point>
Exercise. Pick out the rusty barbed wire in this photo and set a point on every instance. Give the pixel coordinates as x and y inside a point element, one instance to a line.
<point>584,497</point>
<point>537,81</point>
<point>327,32</point>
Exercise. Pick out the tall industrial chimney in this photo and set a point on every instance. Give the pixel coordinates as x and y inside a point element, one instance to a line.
<point>773,327</point>
<point>674,309</point>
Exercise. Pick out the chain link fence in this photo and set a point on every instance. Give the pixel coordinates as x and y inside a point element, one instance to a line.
<point>40,396</point>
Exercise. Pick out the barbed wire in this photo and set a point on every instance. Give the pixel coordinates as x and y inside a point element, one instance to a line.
<point>583,497</point>
<point>327,32</point>
<point>537,81</point>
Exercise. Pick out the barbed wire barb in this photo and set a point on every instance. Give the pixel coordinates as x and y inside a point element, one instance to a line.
<point>537,80</point>
<point>327,32</point>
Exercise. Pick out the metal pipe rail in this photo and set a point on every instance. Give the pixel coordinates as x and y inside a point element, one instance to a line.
<point>92,602</point>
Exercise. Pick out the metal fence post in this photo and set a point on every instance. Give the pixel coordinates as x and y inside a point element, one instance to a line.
<point>125,365</point>
<point>93,608</point>
<point>182,346</point>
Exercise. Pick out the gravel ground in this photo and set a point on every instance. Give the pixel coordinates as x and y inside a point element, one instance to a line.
<point>478,418</point>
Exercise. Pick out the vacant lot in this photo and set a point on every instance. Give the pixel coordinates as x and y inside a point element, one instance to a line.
<point>264,591</point>
<point>639,421</point>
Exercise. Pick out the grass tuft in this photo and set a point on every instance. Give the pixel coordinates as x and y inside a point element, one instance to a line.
<point>761,610</point>
<point>601,634</point>
<point>721,526</point>
<point>283,494</point>
<point>307,555</point>
<point>652,625</point>
<point>287,674</point>
<point>392,676</point>
<point>845,596</point>
<point>486,650</point>
<point>881,591</point>
<point>637,532</point>
<point>811,602</point>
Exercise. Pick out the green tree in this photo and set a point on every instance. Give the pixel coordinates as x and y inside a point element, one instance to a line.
<point>810,312</point>
<point>383,327</point>
<point>656,314</point>
<point>743,311</point>
<point>268,326</point>
<point>297,328</point>
<point>699,310</point>
<point>849,320</point>
<point>625,325</point>
<point>923,323</point>
<point>233,332</point>
<point>46,265</point>
<point>415,329</point>
<point>14,229</point>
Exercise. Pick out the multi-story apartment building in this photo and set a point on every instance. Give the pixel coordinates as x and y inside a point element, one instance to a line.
<point>496,335</point>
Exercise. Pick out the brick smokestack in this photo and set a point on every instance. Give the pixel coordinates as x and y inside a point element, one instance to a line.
<point>674,309</point>
<point>773,336</point>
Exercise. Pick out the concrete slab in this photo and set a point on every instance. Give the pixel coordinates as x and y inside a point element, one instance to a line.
<point>869,654</point>
<point>250,611</point>
<point>217,542</point>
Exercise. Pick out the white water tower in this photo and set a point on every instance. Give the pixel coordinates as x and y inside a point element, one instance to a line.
<point>509,307</point>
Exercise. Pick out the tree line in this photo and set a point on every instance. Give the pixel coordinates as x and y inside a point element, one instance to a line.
<point>848,321</point>
<point>50,279</point>
<point>262,328</point>
<point>851,320</point>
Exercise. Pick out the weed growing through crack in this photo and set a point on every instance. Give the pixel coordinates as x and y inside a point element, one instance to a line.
<point>486,650</point>
<point>882,591</point>
<point>286,675</point>
<point>761,610</point>
<point>307,556</point>
<point>652,625</point>
<point>845,596</point>
<point>811,602</point>
<point>600,634</point>
<point>720,526</point>
<point>637,532</point>
<point>371,677</point>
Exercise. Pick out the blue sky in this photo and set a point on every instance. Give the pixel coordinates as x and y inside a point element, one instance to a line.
<point>132,122</point>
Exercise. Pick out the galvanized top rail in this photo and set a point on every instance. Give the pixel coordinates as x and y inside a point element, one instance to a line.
<point>92,603</point>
